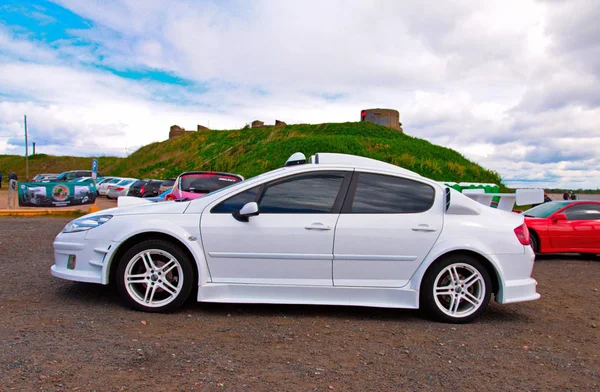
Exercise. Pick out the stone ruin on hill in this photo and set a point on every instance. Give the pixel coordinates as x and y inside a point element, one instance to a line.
<point>176,131</point>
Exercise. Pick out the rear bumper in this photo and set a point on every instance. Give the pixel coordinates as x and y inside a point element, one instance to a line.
<point>518,291</point>
<point>517,285</point>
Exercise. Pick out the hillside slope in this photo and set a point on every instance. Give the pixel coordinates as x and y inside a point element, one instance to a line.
<point>253,151</point>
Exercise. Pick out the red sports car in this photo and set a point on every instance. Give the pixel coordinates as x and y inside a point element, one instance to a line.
<point>570,226</point>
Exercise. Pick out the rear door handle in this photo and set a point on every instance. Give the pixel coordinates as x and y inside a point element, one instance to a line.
<point>317,226</point>
<point>423,228</point>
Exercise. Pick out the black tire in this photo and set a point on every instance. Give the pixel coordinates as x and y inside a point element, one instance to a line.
<point>438,271</point>
<point>535,243</point>
<point>181,277</point>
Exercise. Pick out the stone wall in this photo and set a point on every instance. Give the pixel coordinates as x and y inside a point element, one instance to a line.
<point>176,131</point>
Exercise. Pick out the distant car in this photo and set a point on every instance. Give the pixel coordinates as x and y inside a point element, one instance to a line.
<point>569,226</point>
<point>82,179</point>
<point>160,197</point>
<point>103,186</point>
<point>42,177</point>
<point>192,185</point>
<point>121,188</point>
<point>144,188</point>
<point>72,174</point>
<point>166,185</point>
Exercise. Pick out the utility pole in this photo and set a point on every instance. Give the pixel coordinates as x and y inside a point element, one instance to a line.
<point>26,151</point>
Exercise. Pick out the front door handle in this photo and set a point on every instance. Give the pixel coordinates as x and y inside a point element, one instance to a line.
<point>423,228</point>
<point>317,226</point>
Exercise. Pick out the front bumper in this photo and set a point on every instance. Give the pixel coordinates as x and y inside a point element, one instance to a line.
<point>91,258</point>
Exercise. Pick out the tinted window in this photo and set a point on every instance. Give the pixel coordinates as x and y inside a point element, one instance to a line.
<point>236,202</point>
<point>169,182</point>
<point>583,212</point>
<point>205,182</point>
<point>138,184</point>
<point>380,194</point>
<point>312,193</point>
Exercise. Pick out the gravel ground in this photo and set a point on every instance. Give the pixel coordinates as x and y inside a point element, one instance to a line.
<point>60,335</point>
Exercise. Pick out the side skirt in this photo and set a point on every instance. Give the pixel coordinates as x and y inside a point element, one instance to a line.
<point>309,295</point>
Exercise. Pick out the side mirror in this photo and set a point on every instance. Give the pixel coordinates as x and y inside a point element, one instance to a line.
<point>248,210</point>
<point>559,217</point>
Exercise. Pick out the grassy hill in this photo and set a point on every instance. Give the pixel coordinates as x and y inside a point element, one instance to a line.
<point>253,151</point>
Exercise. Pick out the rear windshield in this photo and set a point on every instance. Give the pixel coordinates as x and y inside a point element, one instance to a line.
<point>206,182</point>
<point>138,183</point>
<point>545,210</point>
<point>168,182</point>
<point>114,181</point>
<point>125,182</point>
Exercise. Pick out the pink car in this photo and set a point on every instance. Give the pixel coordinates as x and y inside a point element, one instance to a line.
<point>192,185</point>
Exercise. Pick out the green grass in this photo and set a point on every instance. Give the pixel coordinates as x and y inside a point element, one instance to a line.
<point>253,151</point>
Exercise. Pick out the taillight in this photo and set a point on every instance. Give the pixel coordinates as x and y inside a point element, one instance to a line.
<point>142,190</point>
<point>119,189</point>
<point>522,233</point>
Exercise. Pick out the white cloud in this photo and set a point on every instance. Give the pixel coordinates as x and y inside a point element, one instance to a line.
<point>513,85</point>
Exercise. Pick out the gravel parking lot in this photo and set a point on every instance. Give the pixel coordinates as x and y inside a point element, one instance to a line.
<point>60,335</point>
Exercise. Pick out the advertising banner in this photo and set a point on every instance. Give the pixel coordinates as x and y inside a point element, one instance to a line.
<point>56,194</point>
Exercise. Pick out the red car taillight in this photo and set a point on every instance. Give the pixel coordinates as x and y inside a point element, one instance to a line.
<point>522,233</point>
<point>142,190</point>
<point>119,189</point>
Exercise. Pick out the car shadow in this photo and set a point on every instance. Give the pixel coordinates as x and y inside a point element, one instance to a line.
<point>95,295</point>
<point>567,256</point>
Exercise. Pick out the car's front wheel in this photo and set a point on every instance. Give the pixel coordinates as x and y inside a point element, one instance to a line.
<point>155,276</point>
<point>456,289</point>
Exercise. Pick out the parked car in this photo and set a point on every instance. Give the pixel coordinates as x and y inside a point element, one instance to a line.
<point>73,174</point>
<point>160,197</point>
<point>121,188</point>
<point>565,227</point>
<point>42,177</point>
<point>82,179</point>
<point>103,186</point>
<point>191,185</point>
<point>144,188</point>
<point>339,230</point>
<point>166,185</point>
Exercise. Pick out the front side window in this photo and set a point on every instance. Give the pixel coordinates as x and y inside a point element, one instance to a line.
<point>303,194</point>
<point>583,212</point>
<point>236,202</point>
<point>381,194</point>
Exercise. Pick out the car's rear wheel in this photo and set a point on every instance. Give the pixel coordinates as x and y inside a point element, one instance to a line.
<point>155,276</point>
<point>456,289</point>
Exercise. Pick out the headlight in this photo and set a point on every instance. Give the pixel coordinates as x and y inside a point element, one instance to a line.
<point>84,224</point>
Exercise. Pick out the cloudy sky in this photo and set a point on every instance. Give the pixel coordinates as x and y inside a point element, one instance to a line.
<point>513,85</point>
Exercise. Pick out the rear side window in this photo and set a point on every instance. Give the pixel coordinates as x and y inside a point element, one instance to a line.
<point>236,202</point>
<point>583,212</point>
<point>205,182</point>
<point>304,194</point>
<point>381,194</point>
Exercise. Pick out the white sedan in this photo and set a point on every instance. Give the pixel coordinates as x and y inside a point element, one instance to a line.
<point>338,230</point>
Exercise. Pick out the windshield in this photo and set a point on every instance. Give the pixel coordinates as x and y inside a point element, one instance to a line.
<point>206,182</point>
<point>545,210</point>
